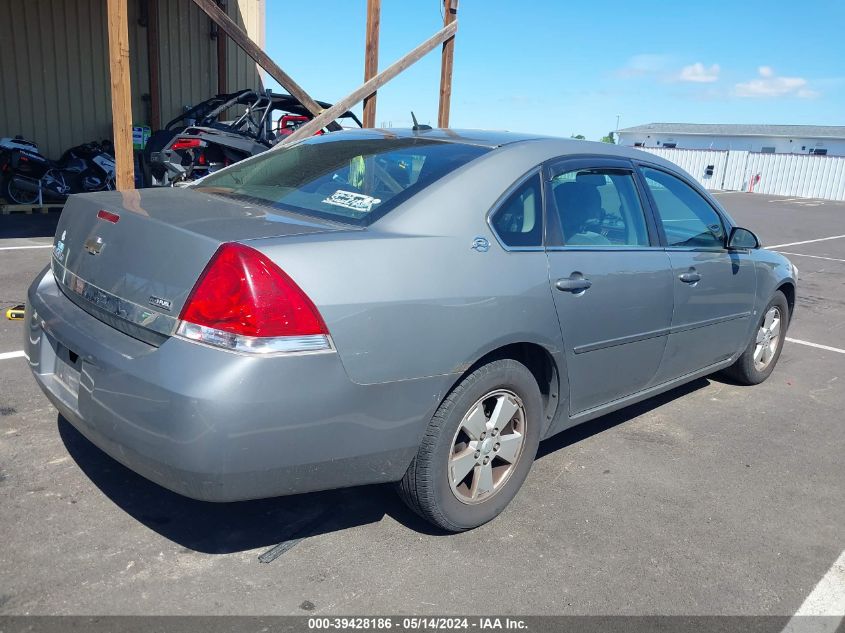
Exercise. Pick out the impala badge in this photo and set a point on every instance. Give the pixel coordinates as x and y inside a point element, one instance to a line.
<point>158,302</point>
<point>94,245</point>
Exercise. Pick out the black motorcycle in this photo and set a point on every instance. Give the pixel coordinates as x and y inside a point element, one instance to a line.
<point>31,178</point>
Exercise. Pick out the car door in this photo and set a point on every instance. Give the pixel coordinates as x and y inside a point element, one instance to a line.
<point>611,280</point>
<point>713,287</point>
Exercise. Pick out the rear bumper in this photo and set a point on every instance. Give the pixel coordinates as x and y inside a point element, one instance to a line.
<point>218,426</point>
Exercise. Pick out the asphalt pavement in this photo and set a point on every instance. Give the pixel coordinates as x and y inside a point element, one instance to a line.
<point>713,499</point>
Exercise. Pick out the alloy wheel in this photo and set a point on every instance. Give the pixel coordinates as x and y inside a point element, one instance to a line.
<point>487,446</point>
<point>768,338</point>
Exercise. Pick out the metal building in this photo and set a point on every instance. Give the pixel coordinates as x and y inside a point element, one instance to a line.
<point>54,69</point>
<point>819,140</point>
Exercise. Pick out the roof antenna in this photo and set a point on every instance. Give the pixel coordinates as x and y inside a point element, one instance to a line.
<point>417,127</point>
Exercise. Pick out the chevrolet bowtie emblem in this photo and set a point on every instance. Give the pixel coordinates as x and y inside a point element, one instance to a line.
<point>94,245</point>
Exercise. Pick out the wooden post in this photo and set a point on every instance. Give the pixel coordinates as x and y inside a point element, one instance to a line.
<point>261,58</point>
<point>222,64</point>
<point>153,63</point>
<point>371,58</point>
<point>447,57</point>
<point>121,93</point>
<point>369,87</point>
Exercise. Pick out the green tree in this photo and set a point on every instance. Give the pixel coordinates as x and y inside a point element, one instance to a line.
<point>610,138</point>
<point>580,137</point>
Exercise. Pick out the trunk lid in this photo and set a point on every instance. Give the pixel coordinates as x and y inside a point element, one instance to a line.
<point>137,272</point>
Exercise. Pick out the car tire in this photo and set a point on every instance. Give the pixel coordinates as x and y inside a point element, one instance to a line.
<point>759,358</point>
<point>506,393</point>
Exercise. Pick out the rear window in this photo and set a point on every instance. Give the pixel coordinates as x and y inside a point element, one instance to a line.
<point>355,180</point>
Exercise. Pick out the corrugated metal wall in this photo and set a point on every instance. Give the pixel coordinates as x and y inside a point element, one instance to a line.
<point>188,54</point>
<point>139,74</point>
<point>242,70</point>
<point>696,162</point>
<point>797,175</point>
<point>734,178</point>
<point>54,80</point>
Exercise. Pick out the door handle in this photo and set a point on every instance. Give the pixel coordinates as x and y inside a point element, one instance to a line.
<point>568,284</point>
<point>690,277</point>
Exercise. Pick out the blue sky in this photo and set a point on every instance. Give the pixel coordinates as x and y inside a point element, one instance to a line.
<point>570,67</point>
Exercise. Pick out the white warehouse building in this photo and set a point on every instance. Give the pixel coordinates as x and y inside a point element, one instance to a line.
<point>766,139</point>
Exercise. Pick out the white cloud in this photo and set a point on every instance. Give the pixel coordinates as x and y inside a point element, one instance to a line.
<point>771,85</point>
<point>699,73</point>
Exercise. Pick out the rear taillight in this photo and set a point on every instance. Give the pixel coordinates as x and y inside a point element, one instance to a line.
<point>244,302</point>
<point>186,143</point>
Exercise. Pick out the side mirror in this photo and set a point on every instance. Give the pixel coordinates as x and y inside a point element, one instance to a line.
<point>742,239</point>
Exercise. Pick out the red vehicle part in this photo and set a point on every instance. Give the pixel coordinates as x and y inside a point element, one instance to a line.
<point>290,122</point>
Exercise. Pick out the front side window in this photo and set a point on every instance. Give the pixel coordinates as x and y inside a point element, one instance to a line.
<point>519,219</point>
<point>688,219</point>
<point>355,179</point>
<point>599,207</point>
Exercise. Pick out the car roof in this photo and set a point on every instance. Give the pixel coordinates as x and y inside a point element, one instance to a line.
<point>494,139</point>
<point>481,138</point>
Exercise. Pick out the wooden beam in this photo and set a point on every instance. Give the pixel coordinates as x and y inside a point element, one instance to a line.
<point>369,87</point>
<point>153,64</point>
<point>261,58</point>
<point>371,58</point>
<point>447,57</point>
<point>121,93</point>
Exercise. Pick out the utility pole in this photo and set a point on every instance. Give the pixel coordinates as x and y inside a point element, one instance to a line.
<point>447,57</point>
<point>371,58</point>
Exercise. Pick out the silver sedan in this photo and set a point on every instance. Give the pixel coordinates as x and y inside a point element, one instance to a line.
<point>420,307</point>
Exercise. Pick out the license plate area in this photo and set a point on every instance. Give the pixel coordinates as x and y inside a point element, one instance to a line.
<point>66,371</point>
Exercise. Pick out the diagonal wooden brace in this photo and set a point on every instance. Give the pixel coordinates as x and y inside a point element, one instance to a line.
<point>369,87</point>
<point>219,17</point>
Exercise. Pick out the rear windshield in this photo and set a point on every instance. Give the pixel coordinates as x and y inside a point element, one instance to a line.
<point>354,180</point>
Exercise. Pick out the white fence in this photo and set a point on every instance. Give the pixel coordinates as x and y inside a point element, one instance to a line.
<point>796,175</point>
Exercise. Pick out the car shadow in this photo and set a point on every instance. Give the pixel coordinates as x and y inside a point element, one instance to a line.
<point>223,528</point>
<point>605,422</point>
<point>29,225</point>
<point>724,379</point>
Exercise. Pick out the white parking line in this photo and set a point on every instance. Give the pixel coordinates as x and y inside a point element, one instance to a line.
<point>830,259</point>
<point>7,355</point>
<point>816,345</point>
<point>810,202</point>
<point>826,599</point>
<point>821,239</point>
<point>18,248</point>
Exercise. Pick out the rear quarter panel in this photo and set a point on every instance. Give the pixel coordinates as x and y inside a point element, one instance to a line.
<point>409,298</point>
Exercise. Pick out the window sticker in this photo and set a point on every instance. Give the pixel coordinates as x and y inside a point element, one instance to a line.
<point>351,200</point>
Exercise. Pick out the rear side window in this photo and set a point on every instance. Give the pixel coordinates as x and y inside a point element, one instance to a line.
<point>688,219</point>
<point>519,219</point>
<point>355,180</point>
<point>599,207</point>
